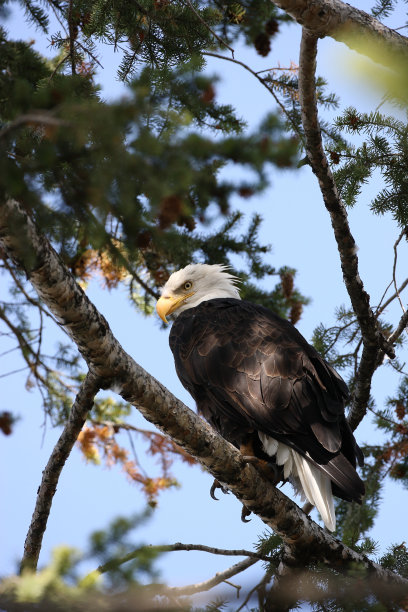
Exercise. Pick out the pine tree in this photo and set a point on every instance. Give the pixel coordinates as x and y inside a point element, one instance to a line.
<point>133,189</point>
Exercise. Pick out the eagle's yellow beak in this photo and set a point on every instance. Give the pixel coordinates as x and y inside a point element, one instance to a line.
<point>169,303</point>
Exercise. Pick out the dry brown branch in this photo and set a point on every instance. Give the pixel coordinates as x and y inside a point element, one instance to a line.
<point>347,24</point>
<point>79,411</point>
<point>305,540</point>
<point>373,340</point>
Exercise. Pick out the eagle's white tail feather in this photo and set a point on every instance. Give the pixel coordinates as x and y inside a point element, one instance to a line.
<point>317,488</point>
<point>315,485</point>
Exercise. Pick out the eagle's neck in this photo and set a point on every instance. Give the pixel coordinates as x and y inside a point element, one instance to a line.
<point>229,291</point>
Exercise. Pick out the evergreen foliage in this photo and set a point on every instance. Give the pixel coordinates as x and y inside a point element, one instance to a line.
<point>135,188</point>
<point>384,150</point>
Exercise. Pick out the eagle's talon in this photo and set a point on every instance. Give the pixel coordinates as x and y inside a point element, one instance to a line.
<point>217,485</point>
<point>250,459</point>
<point>244,513</point>
<point>268,469</point>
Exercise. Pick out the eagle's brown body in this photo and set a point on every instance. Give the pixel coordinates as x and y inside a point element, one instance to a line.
<point>251,371</point>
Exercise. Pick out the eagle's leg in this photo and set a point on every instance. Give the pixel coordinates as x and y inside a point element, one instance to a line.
<point>269,470</point>
<point>217,485</point>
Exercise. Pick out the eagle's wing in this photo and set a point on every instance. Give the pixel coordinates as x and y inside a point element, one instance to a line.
<point>249,369</point>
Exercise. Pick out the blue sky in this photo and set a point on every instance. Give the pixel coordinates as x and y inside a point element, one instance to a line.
<point>298,227</point>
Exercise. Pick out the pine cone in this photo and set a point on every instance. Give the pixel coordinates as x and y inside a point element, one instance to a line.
<point>262,44</point>
<point>271,27</point>
<point>287,284</point>
<point>295,313</point>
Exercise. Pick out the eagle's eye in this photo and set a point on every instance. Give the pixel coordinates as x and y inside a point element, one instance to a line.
<point>188,285</point>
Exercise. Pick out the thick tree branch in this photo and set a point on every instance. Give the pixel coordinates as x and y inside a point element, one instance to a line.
<point>106,358</point>
<point>79,411</point>
<point>373,340</point>
<point>347,24</point>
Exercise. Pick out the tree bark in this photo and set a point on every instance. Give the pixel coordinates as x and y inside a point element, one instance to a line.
<point>357,29</point>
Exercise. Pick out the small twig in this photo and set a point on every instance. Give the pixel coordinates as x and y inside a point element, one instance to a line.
<point>91,55</point>
<point>402,325</point>
<point>380,308</point>
<point>260,587</point>
<point>292,68</point>
<point>381,416</point>
<point>394,268</point>
<point>29,299</point>
<point>79,411</point>
<point>238,587</point>
<point>135,457</point>
<point>263,82</point>
<point>145,286</point>
<point>62,61</point>
<point>219,577</point>
<point>14,372</point>
<point>205,24</point>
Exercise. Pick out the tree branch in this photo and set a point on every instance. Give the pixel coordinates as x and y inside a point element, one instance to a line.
<point>394,267</point>
<point>79,411</point>
<point>35,118</point>
<point>107,359</point>
<point>177,547</point>
<point>263,82</point>
<point>349,25</point>
<point>373,340</point>
<point>402,325</point>
<point>219,577</point>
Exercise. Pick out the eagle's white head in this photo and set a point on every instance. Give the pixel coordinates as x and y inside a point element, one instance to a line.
<point>194,284</point>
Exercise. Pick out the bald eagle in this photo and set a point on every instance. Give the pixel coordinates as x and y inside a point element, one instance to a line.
<point>259,383</point>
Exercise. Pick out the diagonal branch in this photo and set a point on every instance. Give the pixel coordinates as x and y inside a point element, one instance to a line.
<point>212,582</point>
<point>357,29</point>
<point>106,358</point>
<point>79,411</point>
<point>373,340</point>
